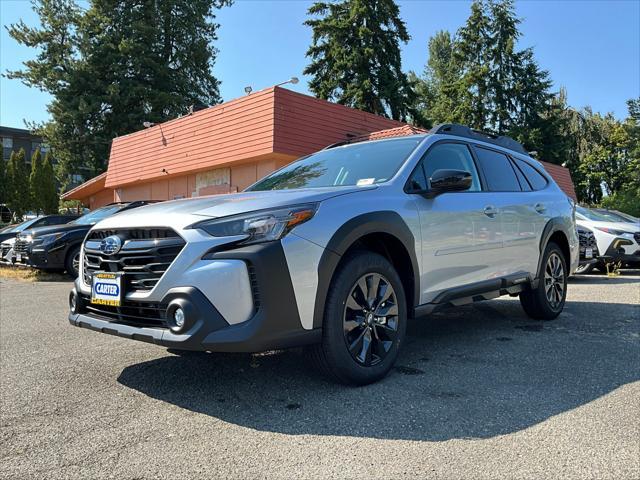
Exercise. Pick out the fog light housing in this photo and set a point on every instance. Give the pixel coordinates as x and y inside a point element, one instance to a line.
<point>178,318</point>
<point>73,302</point>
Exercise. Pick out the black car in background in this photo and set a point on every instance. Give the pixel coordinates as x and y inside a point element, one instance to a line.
<point>45,221</point>
<point>58,247</point>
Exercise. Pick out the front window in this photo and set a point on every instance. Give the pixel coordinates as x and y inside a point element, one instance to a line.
<point>94,217</point>
<point>350,165</point>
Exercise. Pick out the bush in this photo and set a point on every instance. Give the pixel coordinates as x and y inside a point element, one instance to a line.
<point>627,201</point>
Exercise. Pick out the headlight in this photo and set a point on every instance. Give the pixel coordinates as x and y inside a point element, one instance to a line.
<point>613,231</point>
<point>260,226</point>
<point>49,238</point>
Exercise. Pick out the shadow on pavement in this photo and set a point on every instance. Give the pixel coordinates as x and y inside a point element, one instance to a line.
<point>471,372</point>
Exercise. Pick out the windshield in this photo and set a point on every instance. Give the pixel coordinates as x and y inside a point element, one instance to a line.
<point>586,214</point>
<point>94,217</point>
<point>23,225</point>
<point>358,164</point>
<point>615,217</point>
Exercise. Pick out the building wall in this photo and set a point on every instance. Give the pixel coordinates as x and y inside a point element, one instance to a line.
<point>210,182</point>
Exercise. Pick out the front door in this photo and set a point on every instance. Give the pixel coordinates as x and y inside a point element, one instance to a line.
<point>461,238</point>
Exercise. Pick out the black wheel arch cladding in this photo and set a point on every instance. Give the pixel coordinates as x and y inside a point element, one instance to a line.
<point>384,222</point>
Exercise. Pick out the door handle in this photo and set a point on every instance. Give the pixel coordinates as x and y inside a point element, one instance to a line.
<point>540,208</point>
<point>490,211</point>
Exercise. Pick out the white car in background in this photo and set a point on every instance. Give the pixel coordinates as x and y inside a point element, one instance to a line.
<point>6,250</point>
<point>617,241</point>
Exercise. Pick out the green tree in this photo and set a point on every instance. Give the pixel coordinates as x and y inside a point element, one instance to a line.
<point>3,177</point>
<point>115,65</point>
<point>18,183</point>
<point>480,79</point>
<point>50,197</point>
<point>355,56</point>
<point>36,182</point>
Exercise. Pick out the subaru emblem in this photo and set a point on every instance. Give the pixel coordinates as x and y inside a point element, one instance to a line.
<point>110,245</point>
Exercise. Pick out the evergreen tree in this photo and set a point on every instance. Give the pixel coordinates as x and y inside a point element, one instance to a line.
<point>3,177</point>
<point>36,182</point>
<point>50,198</point>
<point>355,56</point>
<point>478,78</point>
<point>18,184</point>
<point>114,65</point>
<point>471,52</point>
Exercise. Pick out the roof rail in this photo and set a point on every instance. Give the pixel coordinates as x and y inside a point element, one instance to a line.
<point>467,132</point>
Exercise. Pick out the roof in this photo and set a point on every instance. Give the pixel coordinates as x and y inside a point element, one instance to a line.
<point>271,121</point>
<point>88,188</point>
<point>562,176</point>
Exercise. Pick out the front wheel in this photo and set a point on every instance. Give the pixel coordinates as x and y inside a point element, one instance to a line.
<point>546,301</point>
<point>72,262</point>
<point>365,321</point>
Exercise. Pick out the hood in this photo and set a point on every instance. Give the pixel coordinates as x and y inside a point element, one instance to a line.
<point>181,213</point>
<point>65,227</point>
<point>623,226</point>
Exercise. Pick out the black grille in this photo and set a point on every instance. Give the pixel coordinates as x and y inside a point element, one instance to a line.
<point>139,314</point>
<point>4,250</point>
<point>637,237</point>
<point>143,258</point>
<point>253,280</point>
<point>587,240</point>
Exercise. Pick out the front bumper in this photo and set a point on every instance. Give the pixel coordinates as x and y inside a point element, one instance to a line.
<point>274,322</point>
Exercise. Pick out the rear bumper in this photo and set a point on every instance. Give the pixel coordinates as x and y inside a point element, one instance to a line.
<point>274,323</point>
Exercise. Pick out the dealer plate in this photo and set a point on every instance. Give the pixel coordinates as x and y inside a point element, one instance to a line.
<point>588,253</point>
<point>106,289</point>
<point>18,258</point>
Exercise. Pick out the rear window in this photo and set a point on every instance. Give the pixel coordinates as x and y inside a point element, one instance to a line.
<point>535,178</point>
<point>498,171</point>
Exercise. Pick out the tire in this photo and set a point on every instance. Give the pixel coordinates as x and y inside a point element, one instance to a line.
<point>584,269</point>
<point>70,265</point>
<point>350,319</point>
<point>547,300</point>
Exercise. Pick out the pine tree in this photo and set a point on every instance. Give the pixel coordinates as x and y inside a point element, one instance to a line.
<point>472,53</point>
<point>115,65</point>
<point>355,56</point>
<point>18,183</point>
<point>3,177</point>
<point>36,182</point>
<point>50,198</point>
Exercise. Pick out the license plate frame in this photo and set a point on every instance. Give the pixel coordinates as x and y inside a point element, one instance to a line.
<point>18,258</point>
<point>588,253</point>
<point>103,291</point>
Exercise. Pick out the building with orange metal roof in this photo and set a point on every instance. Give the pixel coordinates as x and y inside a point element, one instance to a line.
<point>227,147</point>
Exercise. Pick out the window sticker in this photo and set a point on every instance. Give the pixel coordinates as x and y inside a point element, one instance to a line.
<point>365,181</point>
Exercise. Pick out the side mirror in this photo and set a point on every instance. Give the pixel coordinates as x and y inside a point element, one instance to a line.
<point>449,181</point>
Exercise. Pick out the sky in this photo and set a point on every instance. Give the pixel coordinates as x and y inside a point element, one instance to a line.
<point>591,47</point>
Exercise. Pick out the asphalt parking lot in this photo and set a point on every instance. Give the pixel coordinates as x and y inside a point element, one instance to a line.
<point>479,392</point>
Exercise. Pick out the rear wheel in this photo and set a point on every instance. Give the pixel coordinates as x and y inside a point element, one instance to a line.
<point>365,321</point>
<point>546,301</point>
<point>72,262</point>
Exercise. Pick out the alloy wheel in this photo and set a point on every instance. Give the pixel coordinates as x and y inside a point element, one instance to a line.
<point>75,263</point>
<point>370,320</point>
<point>554,281</point>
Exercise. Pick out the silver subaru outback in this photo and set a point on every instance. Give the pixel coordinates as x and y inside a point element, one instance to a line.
<point>335,251</point>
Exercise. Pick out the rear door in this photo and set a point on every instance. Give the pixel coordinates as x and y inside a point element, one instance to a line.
<point>461,241</point>
<point>512,196</point>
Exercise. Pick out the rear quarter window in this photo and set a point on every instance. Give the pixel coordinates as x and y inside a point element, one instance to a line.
<point>500,175</point>
<point>535,178</point>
